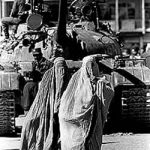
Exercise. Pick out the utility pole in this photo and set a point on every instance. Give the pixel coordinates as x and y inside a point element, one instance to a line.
<point>143,16</point>
<point>117,15</point>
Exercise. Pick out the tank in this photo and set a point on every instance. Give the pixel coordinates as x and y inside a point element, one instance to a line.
<point>129,109</point>
<point>131,81</point>
<point>12,68</point>
<point>78,38</point>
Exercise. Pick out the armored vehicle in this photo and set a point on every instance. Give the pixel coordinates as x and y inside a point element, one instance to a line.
<point>79,36</point>
<point>129,111</point>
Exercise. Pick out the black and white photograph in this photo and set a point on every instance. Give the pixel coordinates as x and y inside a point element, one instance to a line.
<point>74,74</point>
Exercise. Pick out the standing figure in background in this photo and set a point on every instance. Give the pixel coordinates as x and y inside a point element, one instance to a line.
<point>135,53</point>
<point>19,14</point>
<point>40,63</point>
<point>125,53</point>
<point>146,55</point>
<point>39,66</point>
<point>135,57</point>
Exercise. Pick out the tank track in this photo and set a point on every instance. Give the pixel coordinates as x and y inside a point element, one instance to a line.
<point>136,108</point>
<point>7,112</point>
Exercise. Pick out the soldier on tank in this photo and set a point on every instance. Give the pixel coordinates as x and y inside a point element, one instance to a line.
<point>39,66</point>
<point>19,14</point>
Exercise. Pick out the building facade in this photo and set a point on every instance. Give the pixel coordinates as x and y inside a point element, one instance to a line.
<point>130,18</point>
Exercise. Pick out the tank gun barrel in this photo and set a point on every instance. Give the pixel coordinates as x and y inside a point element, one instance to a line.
<point>61,29</point>
<point>104,61</point>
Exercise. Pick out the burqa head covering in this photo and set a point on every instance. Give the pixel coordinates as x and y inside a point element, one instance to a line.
<point>77,106</point>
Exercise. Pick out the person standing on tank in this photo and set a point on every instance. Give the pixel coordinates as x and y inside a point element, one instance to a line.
<point>18,15</point>
<point>39,66</point>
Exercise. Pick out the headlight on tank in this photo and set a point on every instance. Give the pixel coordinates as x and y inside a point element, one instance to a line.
<point>124,101</point>
<point>34,21</point>
<point>148,100</point>
<point>148,94</point>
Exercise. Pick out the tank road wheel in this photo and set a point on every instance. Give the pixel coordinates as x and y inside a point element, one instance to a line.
<point>7,112</point>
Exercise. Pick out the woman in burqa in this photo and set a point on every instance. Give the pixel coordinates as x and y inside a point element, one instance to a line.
<point>84,107</point>
<point>41,129</point>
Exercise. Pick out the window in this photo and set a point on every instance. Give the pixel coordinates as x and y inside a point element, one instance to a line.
<point>130,15</point>
<point>107,10</point>
<point>147,10</point>
<point>127,10</point>
<point>147,14</point>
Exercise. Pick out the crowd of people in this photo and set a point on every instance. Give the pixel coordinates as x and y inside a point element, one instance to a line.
<point>137,55</point>
<point>132,53</point>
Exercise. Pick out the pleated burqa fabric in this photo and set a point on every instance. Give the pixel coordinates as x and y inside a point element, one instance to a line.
<point>84,107</point>
<point>38,128</point>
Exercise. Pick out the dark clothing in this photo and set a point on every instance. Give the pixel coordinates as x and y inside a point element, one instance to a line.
<point>29,93</point>
<point>42,66</point>
<point>146,55</point>
<point>17,16</point>
<point>31,88</point>
<point>10,21</point>
<point>18,8</point>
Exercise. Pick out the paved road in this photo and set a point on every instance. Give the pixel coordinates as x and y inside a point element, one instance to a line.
<point>9,143</point>
<point>118,141</point>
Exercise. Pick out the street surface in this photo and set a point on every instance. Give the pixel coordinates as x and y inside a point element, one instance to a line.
<point>117,141</point>
<point>129,141</point>
<point>9,143</point>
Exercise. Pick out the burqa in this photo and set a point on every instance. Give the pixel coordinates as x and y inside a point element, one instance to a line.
<point>38,128</point>
<point>84,107</point>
